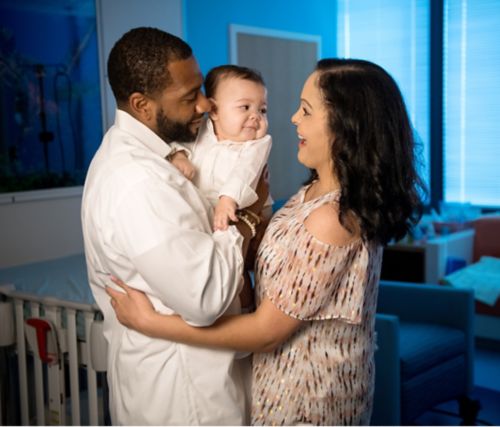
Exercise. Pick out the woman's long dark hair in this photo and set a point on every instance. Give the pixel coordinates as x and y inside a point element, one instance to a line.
<point>373,149</point>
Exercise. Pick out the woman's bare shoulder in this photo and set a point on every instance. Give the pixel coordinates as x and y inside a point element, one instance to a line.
<point>324,224</point>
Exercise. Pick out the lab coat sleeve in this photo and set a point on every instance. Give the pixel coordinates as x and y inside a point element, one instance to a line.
<point>193,271</point>
<point>244,176</point>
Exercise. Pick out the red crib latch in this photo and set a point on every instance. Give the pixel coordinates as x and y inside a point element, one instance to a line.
<point>42,327</point>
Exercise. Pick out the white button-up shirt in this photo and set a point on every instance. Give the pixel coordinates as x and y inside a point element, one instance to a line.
<point>144,222</point>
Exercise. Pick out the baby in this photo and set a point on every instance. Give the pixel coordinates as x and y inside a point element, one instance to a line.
<point>232,147</point>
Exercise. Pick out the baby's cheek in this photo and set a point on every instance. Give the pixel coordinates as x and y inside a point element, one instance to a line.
<point>261,132</point>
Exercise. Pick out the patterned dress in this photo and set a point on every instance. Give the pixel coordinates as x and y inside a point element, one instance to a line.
<point>324,373</point>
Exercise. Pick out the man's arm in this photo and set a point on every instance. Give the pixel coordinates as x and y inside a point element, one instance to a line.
<point>163,229</point>
<point>261,331</point>
<point>166,235</point>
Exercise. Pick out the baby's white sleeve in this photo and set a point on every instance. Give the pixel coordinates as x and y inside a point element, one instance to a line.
<point>244,176</point>
<point>187,147</point>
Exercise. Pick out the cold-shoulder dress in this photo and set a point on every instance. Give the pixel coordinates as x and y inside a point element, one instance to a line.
<point>324,373</point>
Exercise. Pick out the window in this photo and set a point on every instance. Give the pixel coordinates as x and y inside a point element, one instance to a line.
<point>395,35</point>
<point>50,112</point>
<point>472,102</point>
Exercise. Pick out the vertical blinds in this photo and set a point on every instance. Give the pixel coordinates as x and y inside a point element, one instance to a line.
<point>472,102</point>
<point>396,35</point>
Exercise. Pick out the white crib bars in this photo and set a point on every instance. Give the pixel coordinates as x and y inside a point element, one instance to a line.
<point>71,349</point>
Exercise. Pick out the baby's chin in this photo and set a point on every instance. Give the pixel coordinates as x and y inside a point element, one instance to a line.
<point>244,136</point>
<point>248,134</point>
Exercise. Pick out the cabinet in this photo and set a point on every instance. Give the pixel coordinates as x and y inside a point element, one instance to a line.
<point>426,261</point>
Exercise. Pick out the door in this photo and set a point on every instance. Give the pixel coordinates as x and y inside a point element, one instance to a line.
<point>285,61</point>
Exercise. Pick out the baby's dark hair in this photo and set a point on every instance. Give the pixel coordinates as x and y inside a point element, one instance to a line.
<point>222,72</point>
<point>373,149</point>
<point>138,61</point>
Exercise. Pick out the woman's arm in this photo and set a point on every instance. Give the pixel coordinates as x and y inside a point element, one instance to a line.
<point>261,331</point>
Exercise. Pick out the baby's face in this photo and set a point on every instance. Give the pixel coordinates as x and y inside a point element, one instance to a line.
<point>240,112</point>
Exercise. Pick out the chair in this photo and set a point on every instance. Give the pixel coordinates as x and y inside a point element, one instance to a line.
<point>425,354</point>
<point>486,238</point>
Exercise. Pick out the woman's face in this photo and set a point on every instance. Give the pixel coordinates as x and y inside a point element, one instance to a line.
<point>311,120</point>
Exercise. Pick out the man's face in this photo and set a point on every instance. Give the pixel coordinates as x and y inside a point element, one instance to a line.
<point>181,106</point>
<point>170,130</point>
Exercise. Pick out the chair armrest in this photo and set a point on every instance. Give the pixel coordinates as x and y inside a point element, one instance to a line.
<point>386,403</point>
<point>442,305</point>
<point>428,303</point>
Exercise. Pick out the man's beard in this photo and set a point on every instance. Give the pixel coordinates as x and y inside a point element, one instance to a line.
<point>170,130</point>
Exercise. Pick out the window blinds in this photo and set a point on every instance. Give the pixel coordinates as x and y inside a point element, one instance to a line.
<point>471,78</point>
<point>395,34</point>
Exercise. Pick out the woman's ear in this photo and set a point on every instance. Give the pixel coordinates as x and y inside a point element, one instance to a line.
<point>141,107</point>
<point>213,110</point>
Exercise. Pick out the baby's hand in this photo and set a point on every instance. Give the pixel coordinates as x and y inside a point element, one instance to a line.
<point>181,162</point>
<point>225,211</point>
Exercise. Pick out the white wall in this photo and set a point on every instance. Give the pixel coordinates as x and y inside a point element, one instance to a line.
<point>115,17</point>
<point>46,224</point>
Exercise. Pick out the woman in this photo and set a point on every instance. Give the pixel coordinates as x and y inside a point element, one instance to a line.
<point>318,266</point>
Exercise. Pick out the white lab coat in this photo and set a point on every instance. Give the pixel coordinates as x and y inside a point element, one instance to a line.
<point>144,222</point>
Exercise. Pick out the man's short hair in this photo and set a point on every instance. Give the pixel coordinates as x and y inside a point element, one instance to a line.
<point>139,59</point>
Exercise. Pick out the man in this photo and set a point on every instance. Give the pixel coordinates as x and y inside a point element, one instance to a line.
<point>144,222</point>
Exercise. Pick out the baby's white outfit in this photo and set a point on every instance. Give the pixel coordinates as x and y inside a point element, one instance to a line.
<point>228,168</point>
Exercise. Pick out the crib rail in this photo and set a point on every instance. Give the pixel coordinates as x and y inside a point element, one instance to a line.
<point>74,349</point>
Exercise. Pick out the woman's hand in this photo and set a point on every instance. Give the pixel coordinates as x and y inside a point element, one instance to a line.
<point>132,307</point>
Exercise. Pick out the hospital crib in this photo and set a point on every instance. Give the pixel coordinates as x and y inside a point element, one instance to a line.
<point>52,326</point>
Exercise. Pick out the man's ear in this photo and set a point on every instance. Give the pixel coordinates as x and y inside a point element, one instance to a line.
<point>141,107</point>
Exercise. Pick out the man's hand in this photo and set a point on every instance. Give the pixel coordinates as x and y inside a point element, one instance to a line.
<point>181,162</point>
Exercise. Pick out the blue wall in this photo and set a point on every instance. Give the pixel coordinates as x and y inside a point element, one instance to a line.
<point>206,24</point>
